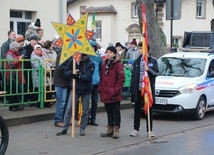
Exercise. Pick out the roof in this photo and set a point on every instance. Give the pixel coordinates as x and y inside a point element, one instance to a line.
<point>70,1</point>
<point>202,55</point>
<point>102,9</point>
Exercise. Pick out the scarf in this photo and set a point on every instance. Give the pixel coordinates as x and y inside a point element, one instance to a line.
<point>108,65</point>
<point>38,52</point>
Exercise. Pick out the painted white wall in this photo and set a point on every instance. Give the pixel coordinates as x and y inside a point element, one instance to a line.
<point>114,31</point>
<point>47,10</point>
<point>113,25</point>
<point>188,21</point>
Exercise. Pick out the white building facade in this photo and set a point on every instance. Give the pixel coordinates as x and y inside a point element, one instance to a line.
<point>196,15</point>
<point>116,20</point>
<point>17,15</point>
<point>122,24</point>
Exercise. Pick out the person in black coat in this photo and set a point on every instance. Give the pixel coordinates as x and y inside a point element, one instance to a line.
<point>83,76</point>
<point>62,87</point>
<point>138,69</point>
<point>27,65</point>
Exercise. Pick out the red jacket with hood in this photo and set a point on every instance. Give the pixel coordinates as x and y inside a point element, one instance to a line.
<point>111,83</point>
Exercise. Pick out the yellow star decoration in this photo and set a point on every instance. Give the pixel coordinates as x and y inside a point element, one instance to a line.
<point>74,39</point>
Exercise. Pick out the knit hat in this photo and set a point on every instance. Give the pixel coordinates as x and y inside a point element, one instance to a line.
<point>20,38</point>
<point>37,23</point>
<point>37,46</point>
<point>118,44</point>
<point>134,42</point>
<point>33,37</point>
<point>112,48</point>
<point>13,45</point>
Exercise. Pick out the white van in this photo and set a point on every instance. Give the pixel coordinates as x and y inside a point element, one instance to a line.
<point>186,83</point>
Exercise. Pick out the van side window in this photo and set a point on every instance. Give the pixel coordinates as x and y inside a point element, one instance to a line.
<point>211,69</point>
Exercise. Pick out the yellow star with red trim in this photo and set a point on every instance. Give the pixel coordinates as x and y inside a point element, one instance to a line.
<point>74,38</point>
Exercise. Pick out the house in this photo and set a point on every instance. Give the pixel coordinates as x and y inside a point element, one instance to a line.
<point>196,15</point>
<point>17,15</point>
<point>117,20</point>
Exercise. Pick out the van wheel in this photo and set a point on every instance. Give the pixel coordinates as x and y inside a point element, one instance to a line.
<point>200,109</point>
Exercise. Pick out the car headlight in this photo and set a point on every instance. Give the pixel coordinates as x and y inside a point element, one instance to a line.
<point>189,89</point>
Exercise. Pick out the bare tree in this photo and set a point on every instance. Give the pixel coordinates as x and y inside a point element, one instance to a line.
<point>156,37</point>
<point>212,21</point>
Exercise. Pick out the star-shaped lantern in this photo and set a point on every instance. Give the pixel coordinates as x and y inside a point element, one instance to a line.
<point>73,38</point>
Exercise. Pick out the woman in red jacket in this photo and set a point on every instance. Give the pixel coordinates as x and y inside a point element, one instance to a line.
<point>110,89</point>
<point>14,75</point>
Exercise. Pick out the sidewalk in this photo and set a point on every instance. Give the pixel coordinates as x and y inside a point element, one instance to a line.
<point>33,114</point>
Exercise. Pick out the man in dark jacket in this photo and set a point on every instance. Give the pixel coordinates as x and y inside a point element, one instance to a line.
<point>84,72</point>
<point>62,87</point>
<point>5,46</point>
<point>27,65</point>
<point>137,74</point>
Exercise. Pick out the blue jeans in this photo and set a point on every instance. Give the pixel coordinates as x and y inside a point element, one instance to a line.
<point>62,96</point>
<point>94,100</point>
<point>85,106</point>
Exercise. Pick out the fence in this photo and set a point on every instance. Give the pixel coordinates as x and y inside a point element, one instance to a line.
<point>23,93</point>
<point>20,86</point>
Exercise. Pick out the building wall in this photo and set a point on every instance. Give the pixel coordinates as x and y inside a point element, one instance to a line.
<point>188,21</point>
<point>116,29</point>
<point>113,25</point>
<point>47,10</point>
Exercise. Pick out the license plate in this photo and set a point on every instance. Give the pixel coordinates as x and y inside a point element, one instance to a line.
<point>160,101</point>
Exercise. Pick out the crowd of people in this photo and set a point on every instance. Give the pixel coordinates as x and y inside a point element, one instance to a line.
<point>27,52</point>
<point>97,77</point>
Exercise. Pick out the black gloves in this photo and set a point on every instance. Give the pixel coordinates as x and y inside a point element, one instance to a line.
<point>75,76</point>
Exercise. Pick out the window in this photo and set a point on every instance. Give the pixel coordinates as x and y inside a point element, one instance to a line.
<point>99,30</point>
<point>20,20</point>
<point>175,42</point>
<point>201,8</point>
<point>181,67</point>
<point>134,10</point>
<point>135,35</point>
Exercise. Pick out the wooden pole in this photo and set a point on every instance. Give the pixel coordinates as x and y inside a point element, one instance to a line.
<point>73,100</point>
<point>148,116</point>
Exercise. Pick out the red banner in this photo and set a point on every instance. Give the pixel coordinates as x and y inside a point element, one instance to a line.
<point>146,87</point>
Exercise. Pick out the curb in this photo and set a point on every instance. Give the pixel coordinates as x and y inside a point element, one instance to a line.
<point>50,116</point>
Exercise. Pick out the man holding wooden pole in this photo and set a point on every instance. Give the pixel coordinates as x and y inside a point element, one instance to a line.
<point>83,75</point>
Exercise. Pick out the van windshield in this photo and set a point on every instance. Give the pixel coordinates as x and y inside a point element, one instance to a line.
<point>181,67</point>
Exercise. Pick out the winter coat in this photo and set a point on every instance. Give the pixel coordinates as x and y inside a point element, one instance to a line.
<point>14,63</point>
<point>98,61</point>
<point>32,30</point>
<point>37,61</point>
<point>60,80</point>
<point>5,48</point>
<point>22,51</point>
<point>84,82</point>
<point>132,53</point>
<point>152,73</point>
<point>111,84</point>
<point>29,49</point>
<point>50,54</point>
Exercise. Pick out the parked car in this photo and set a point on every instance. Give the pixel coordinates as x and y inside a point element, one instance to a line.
<point>186,83</point>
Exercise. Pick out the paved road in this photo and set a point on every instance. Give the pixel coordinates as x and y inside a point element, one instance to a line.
<point>40,139</point>
<point>199,141</point>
